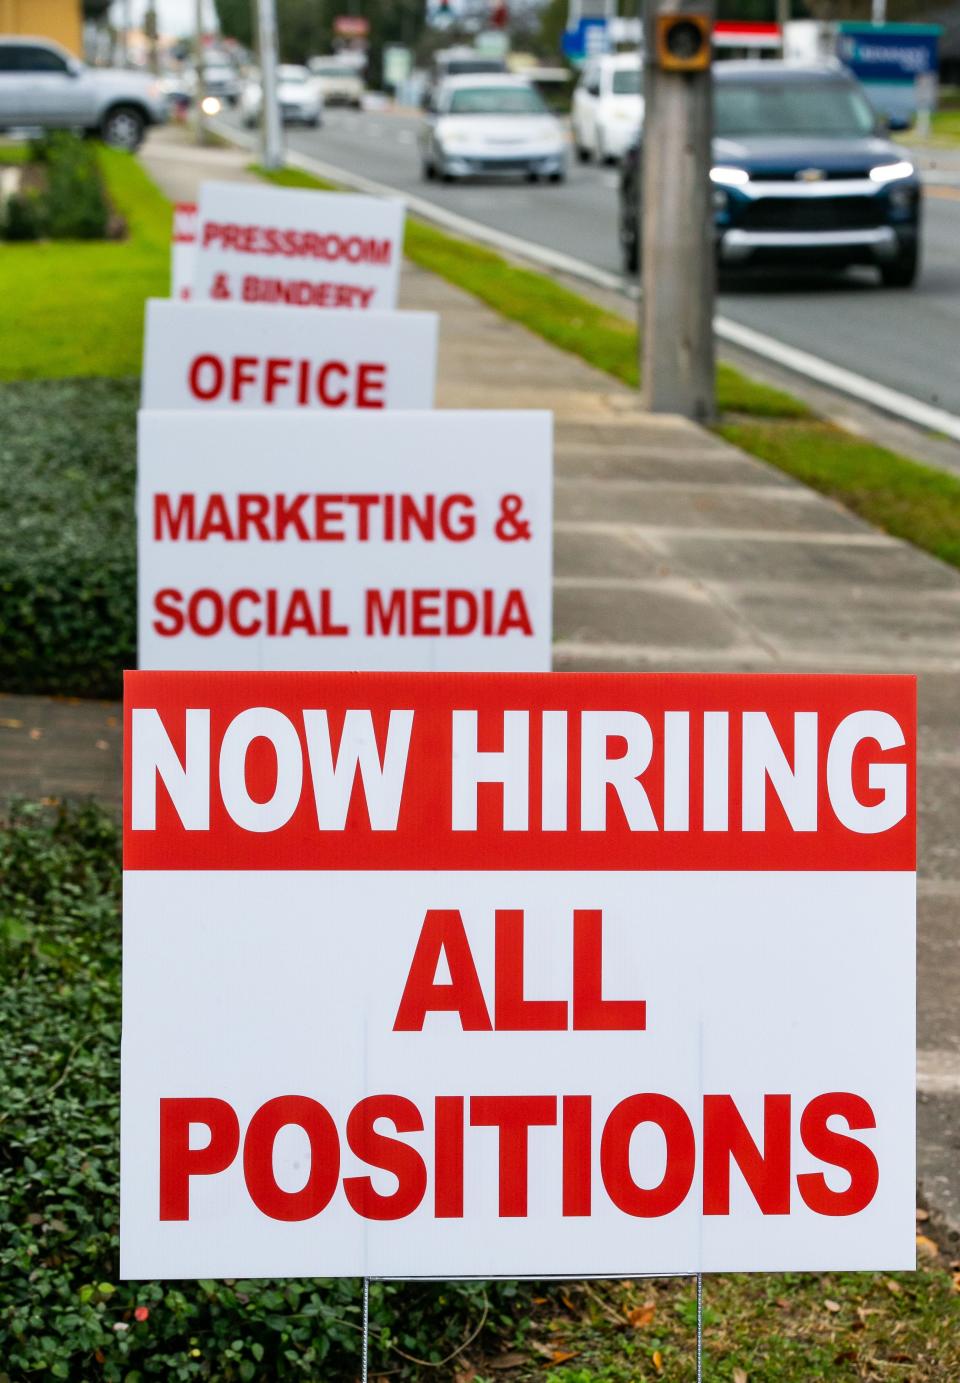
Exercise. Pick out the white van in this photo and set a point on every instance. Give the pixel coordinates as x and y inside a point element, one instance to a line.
<point>608,106</point>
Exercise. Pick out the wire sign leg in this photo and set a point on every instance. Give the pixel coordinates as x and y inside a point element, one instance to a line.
<point>699,1328</point>
<point>365,1341</point>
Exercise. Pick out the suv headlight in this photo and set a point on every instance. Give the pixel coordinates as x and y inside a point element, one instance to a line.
<point>729,177</point>
<point>890,172</point>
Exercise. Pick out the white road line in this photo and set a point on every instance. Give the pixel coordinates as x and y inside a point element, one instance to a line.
<point>801,362</point>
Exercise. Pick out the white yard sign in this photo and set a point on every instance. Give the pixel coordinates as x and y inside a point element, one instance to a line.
<point>220,356</point>
<point>345,540</point>
<point>297,248</point>
<point>183,250</point>
<point>499,975</point>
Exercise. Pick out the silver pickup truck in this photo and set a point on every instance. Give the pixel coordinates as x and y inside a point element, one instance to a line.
<point>43,86</point>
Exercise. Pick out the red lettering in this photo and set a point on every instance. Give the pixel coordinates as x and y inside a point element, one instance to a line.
<point>179,1162</point>
<point>577,1155</point>
<point>172,520</point>
<point>244,372</point>
<point>514,1116</point>
<point>167,603</point>
<point>512,1011</point>
<point>258,1144</point>
<point>377,1150</point>
<point>448,1157</point>
<point>278,373</point>
<point>838,1150</point>
<point>442,933</point>
<point>591,1012</point>
<point>727,1139</point>
<point>629,1114</point>
<point>370,385</point>
<point>332,367</point>
<point>205,362</point>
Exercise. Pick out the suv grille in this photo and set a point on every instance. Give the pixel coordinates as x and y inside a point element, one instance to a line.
<point>812,214</point>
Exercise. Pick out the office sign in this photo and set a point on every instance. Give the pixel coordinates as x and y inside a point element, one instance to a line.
<point>517,975</point>
<point>366,539</point>
<point>212,356</point>
<point>297,248</point>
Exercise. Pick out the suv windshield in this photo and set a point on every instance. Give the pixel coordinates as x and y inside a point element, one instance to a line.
<point>791,108</point>
<point>626,81</point>
<point>497,100</point>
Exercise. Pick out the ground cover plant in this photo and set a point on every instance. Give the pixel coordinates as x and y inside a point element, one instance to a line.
<point>68,556</point>
<point>75,307</point>
<point>65,1315</point>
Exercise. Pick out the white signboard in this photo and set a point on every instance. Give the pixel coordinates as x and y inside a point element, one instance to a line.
<point>216,356</point>
<point>183,250</point>
<point>497,975</point>
<point>297,248</point>
<point>345,540</point>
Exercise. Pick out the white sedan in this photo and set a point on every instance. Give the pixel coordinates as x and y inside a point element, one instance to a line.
<point>607,107</point>
<point>482,125</point>
<point>299,96</point>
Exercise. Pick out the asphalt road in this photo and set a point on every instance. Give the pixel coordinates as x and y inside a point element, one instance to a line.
<point>906,339</point>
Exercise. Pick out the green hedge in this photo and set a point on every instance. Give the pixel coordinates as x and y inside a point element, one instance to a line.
<point>63,1313</point>
<point>72,206</point>
<point>68,556</point>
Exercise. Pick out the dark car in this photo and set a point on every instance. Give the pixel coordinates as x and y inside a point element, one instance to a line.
<point>802,174</point>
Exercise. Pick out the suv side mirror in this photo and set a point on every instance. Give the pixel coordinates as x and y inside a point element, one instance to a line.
<point>74,67</point>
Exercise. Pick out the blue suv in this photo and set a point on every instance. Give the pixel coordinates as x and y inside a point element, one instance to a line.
<point>802,174</point>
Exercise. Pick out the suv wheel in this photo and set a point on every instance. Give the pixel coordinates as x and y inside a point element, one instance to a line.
<point>902,272</point>
<point>123,127</point>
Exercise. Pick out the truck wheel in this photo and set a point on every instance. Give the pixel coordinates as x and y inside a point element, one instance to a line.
<point>123,127</point>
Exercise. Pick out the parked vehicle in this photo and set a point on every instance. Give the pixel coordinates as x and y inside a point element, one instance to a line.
<point>460,61</point>
<point>607,111</point>
<point>339,83</point>
<point>491,125</point>
<point>42,85</point>
<point>803,174</point>
<point>220,80</point>
<point>299,96</point>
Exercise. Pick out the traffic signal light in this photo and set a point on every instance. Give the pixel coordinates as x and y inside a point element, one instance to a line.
<point>683,42</point>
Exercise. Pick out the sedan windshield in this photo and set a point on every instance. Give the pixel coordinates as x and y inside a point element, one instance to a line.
<point>497,100</point>
<point>293,76</point>
<point>791,108</point>
<point>626,81</point>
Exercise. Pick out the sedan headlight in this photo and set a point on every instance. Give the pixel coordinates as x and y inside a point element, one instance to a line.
<point>890,172</point>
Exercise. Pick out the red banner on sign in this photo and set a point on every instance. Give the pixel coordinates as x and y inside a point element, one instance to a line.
<point>340,771</point>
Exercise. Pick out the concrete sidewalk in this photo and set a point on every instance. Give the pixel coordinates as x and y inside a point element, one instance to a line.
<point>673,551</point>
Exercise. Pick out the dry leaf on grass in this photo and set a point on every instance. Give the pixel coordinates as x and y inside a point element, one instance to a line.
<point>561,1356</point>
<point>641,1316</point>
<point>506,1361</point>
<point>658,1361</point>
<point>832,1306</point>
<point>739,1375</point>
<point>927,1247</point>
<point>892,1286</point>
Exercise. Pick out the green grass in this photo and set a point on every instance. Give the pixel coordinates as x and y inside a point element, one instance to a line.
<point>944,131</point>
<point>76,307</point>
<point>13,153</point>
<point>784,1328</point>
<point>560,316</point>
<point>902,496</point>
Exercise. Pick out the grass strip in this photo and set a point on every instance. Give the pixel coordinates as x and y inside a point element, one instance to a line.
<point>560,316</point>
<point>904,497</point>
<point>75,308</point>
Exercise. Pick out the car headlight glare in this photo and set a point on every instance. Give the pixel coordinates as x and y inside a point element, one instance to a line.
<point>729,177</point>
<point>890,172</point>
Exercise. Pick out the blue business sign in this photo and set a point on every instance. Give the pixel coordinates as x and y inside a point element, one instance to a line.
<point>586,39</point>
<point>888,52</point>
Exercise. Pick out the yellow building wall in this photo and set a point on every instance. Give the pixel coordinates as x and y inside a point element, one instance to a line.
<point>56,19</point>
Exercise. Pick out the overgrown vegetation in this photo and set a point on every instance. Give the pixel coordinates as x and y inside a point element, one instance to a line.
<point>68,201</point>
<point>76,307</point>
<point>63,1313</point>
<point>68,558</point>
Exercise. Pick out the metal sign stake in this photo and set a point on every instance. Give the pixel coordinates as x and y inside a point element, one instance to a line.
<point>365,1339</point>
<point>699,1328</point>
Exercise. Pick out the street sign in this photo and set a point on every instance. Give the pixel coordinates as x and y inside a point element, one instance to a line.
<point>501,975</point>
<point>215,356</point>
<point>345,540</point>
<point>183,250</point>
<point>296,247</point>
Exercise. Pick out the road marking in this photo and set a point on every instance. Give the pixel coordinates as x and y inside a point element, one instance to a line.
<point>880,396</point>
<point>938,1073</point>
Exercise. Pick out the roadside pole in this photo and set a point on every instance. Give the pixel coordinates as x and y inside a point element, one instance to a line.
<point>201,88</point>
<point>676,314</point>
<point>270,111</point>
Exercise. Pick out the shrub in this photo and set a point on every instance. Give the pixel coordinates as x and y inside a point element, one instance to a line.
<point>68,559</point>
<point>63,1314</point>
<point>73,203</point>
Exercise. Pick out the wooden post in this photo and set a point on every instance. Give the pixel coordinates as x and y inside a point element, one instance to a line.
<point>270,108</point>
<point>676,314</point>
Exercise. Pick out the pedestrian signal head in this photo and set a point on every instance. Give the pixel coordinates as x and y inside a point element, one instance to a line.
<point>683,42</point>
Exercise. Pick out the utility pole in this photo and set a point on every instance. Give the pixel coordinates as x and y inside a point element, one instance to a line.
<point>783,19</point>
<point>676,314</point>
<point>878,12</point>
<point>201,89</point>
<point>270,110</point>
